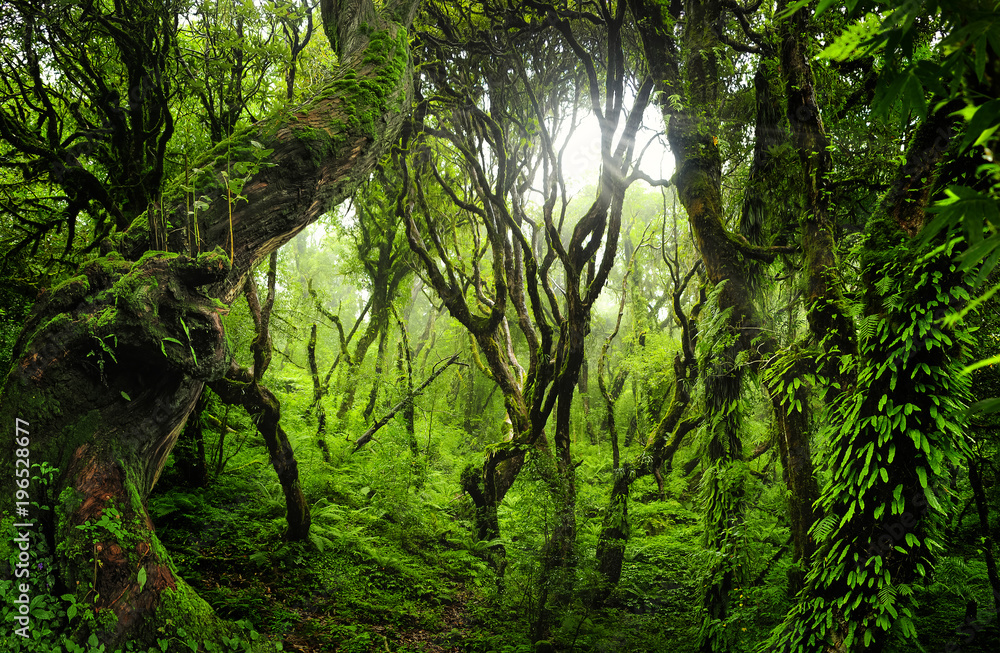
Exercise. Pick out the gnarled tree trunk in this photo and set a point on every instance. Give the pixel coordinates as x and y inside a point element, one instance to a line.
<point>111,363</point>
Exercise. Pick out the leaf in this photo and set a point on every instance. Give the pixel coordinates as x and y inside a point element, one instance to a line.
<point>984,407</point>
<point>125,395</point>
<point>980,364</point>
<point>141,578</point>
<point>854,42</point>
<point>982,124</point>
<point>968,207</point>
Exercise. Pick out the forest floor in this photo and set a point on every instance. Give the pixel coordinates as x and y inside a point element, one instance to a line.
<point>392,565</point>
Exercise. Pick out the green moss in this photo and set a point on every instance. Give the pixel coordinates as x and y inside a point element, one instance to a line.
<point>71,288</point>
<point>73,435</point>
<point>104,321</point>
<point>332,33</point>
<point>183,608</point>
<point>365,98</point>
<point>111,265</point>
<point>148,256</point>
<point>60,323</point>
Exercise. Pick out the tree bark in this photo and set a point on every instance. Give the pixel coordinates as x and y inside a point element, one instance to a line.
<point>239,387</point>
<point>691,134</point>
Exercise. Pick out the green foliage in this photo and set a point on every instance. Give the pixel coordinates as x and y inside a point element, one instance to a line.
<point>392,561</point>
<point>893,438</point>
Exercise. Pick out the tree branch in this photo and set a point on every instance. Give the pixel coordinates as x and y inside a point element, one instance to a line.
<point>382,421</point>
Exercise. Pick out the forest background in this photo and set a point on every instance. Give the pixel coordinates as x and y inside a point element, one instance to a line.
<point>369,325</point>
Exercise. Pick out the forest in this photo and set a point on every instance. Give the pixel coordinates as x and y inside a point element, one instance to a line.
<point>500,326</point>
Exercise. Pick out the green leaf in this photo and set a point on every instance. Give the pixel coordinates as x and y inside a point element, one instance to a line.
<point>125,395</point>
<point>982,124</point>
<point>854,42</point>
<point>984,407</point>
<point>992,360</point>
<point>141,578</point>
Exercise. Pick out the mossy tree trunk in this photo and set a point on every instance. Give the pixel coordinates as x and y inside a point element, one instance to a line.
<point>317,400</point>
<point>684,61</point>
<point>883,503</point>
<point>111,363</point>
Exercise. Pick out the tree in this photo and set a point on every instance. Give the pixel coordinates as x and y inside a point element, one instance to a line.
<point>884,503</point>
<point>550,286</point>
<point>110,363</point>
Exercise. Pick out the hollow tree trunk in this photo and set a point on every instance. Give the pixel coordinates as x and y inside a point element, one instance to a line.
<point>111,363</point>
<point>103,398</point>
<point>190,452</point>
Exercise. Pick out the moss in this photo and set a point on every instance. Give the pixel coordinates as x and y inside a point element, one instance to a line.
<point>111,265</point>
<point>364,98</point>
<point>148,256</point>
<point>73,435</point>
<point>331,28</point>
<point>71,289</point>
<point>321,143</point>
<point>103,322</point>
<point>203,174</point>
<point>183,608</point>
<point>62,322</point>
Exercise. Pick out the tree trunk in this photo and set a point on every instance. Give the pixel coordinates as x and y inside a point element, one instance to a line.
<point>111,363</point>
<point>983,510</point>
<point>885,501</point>
<point>585,402</point>
<point>317,397</point>
<point>239,387</point>
<point>189,456</point>
<point>698,182</point>
<point>377,382</point>
<point>404,366</point>
<point>614,531</point>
